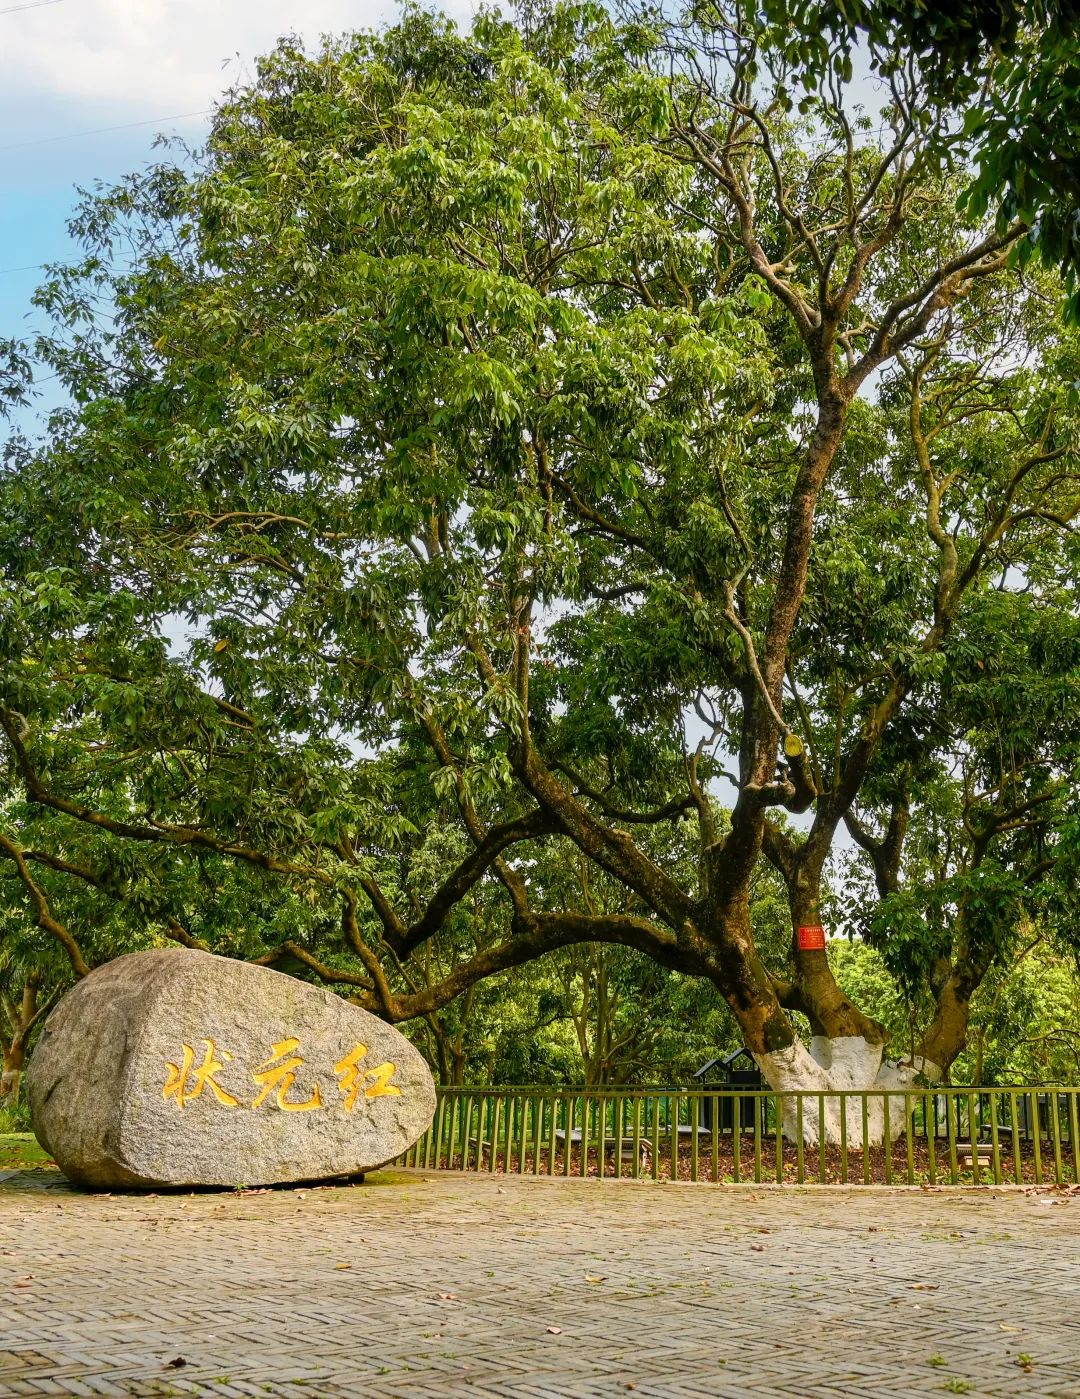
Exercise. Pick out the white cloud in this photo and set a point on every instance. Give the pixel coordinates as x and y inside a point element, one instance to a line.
<point>160,56</point>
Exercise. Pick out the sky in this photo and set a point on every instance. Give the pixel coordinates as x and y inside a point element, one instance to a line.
<point>71,69</point>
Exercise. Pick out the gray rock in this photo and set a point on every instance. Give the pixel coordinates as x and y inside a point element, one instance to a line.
<point>179,1068</point>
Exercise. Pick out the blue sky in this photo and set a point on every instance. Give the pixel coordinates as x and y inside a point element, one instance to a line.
<point>71,69</point>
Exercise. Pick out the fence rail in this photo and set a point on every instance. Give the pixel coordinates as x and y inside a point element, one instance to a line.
<point>930,1136</point>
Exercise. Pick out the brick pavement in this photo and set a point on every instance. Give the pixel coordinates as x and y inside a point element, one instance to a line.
<point>442,1285</point>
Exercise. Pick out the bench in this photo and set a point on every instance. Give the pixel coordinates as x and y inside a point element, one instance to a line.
<point>575,1140</point>
<point>985,1152</point>
<point>624,1144</point>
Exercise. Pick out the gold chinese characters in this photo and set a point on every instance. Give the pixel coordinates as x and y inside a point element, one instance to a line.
<point>185,1082</point>
<point>351,1079</point>
<point>275,1078</point>
<point>281,1076</point>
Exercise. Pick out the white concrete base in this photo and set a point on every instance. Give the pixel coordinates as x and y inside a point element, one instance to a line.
<point>846,1065</point>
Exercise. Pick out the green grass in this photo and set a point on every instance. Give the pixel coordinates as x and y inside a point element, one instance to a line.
<point>14,1119</point>
<point>20,1152</point>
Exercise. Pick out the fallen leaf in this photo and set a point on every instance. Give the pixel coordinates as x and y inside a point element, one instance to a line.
<point>446,1297</point>
<point>924,1286</point>
<point>554,1330</point>
<point>177,1364</point>
<point>595,1277</point>
<point>758,1248</point>
<point>340,1267</point>
<point>1002,1326</point>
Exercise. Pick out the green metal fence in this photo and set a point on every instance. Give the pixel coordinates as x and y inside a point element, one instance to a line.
<point>933,1136</point>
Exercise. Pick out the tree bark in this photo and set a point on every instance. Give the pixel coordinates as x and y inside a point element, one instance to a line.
<point>21,1017</point>
<point>14,1060</point>
<point>831,1013</point>
<point>946,1036</point>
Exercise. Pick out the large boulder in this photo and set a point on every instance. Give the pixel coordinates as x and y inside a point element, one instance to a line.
<point>178,1068</point>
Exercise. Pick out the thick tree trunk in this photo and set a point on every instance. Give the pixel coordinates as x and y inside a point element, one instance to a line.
<point>831,1013</point>
<point>845,1054</point>
<point>847,1064</point>
<point>739,974</point>
<point>946,1035</point>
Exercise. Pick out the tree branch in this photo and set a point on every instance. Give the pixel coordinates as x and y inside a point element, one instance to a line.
<point>43,913</point>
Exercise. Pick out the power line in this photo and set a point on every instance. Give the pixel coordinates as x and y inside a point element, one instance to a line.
<point>42,266</point>
<point>32,5</point>
<point>98,130</point>
<point>36,267</point>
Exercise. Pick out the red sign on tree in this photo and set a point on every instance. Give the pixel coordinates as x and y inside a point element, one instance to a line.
<point>812,939</point>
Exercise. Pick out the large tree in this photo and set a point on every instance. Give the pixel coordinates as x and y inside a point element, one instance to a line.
<point>482,435</point>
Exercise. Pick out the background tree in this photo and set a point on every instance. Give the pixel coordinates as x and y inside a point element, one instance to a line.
<point>1025,1026</point>
<point>24,1002</point>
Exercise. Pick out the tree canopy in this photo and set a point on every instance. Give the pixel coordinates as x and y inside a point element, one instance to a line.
<point>1009,67</point>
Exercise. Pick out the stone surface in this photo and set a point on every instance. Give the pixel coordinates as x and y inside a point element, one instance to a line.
<point>179,1068</point>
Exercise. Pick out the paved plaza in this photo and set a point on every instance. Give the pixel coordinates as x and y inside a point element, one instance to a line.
<point>416,1285</point>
